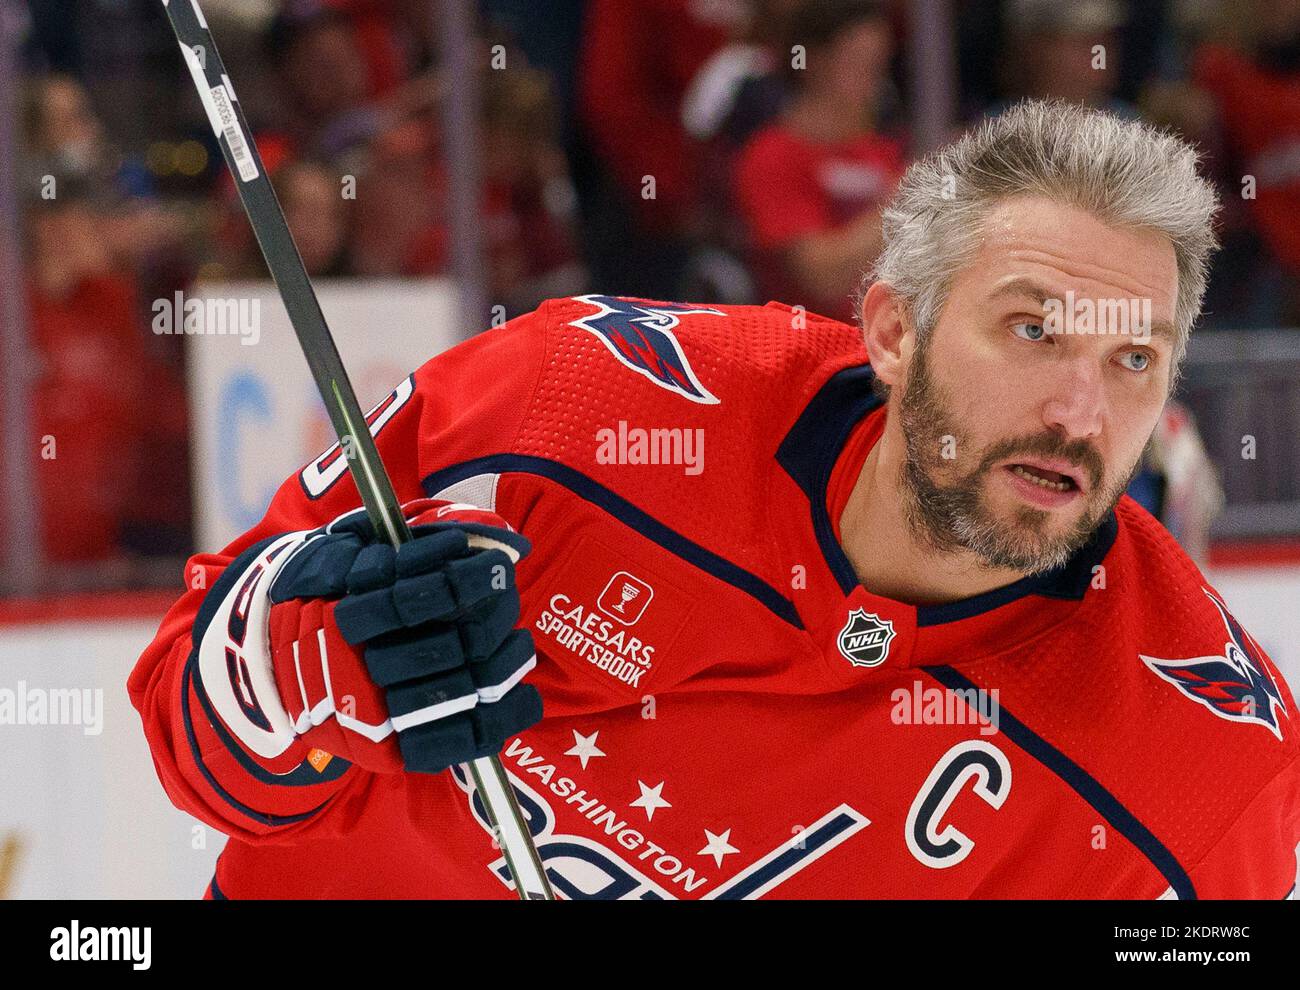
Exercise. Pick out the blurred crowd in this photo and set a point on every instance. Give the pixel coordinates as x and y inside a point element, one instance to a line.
<point>722,150</point>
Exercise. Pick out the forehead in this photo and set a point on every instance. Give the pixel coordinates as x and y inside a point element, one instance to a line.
<point>1065,248</point>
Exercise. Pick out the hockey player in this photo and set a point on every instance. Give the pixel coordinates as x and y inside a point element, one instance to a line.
<point>811,610</point>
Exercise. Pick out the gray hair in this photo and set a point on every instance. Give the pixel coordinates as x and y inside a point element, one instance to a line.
<point>1125,172</point>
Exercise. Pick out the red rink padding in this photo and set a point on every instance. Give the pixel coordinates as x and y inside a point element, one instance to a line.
<point>87,607</point>
<point>1280,552</point>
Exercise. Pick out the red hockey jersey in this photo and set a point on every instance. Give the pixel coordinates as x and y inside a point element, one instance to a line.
<point>729,714</point>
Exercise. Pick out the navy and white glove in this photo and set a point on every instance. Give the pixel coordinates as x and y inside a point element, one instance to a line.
<point>406,658</point>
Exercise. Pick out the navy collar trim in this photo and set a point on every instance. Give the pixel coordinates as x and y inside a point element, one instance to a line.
<point>808,454</point>
<point>811,447</point>
<point>1069,582</point>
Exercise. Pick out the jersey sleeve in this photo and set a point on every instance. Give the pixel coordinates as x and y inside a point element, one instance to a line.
<point>1256,856</point>
<point>201,686</point>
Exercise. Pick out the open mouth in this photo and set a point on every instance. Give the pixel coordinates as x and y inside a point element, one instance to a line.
<point>1055,481</point>
<point>1046,483</point>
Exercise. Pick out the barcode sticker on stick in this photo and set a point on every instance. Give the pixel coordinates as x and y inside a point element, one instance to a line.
<point>233,133</point>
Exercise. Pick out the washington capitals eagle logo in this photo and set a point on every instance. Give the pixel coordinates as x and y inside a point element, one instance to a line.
<point>1236,686</point>
<point>640,334</point>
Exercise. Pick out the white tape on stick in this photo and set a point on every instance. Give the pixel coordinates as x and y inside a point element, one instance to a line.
<point>222,117</point>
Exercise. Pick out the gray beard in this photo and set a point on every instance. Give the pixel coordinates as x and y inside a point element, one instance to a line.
<point>955,516</point>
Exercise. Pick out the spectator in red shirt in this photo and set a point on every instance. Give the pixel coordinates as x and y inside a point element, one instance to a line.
<point>1256,90</point>
<point>89,393</point>
<point>638,61</point>
<point>638,170</point>
<point>810,186</point>
<point>63,137</point>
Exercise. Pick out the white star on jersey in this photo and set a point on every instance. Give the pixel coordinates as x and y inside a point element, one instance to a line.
<point>651,799</point>
<point>584,747</point>
<point>718,846</point>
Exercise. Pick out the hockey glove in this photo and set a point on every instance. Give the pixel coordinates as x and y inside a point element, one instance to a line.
<point>405,658</point>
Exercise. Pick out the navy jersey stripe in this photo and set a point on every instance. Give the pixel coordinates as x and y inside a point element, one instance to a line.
<point>1083,784</point>
<point>620,508</point>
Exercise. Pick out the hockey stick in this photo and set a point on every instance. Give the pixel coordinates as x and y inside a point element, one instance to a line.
<point>377,495</point>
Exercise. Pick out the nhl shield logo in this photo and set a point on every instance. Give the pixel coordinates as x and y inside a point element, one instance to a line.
<point>864,640</point>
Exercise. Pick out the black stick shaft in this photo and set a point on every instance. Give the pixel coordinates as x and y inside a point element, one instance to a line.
<point>372,481</point>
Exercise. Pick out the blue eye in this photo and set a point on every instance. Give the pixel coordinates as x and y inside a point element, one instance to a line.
<point>1029,331</point>
<point>1144,358</point>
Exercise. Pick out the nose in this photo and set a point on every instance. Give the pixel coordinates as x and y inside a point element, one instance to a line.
<point>1077,401</point>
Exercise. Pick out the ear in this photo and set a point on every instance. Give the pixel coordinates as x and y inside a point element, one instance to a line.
<point>887,334</point>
